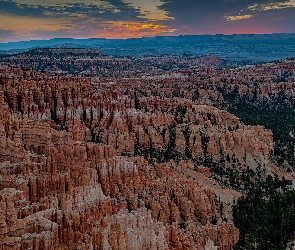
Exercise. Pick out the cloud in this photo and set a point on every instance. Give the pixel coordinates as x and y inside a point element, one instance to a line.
<point>239,17</point>
<point>121,29</point>
<point>272,6</point>
<point>104,9</point>
<point>70,24</point>
<point>90,18</point>
<point>252,10</point>
<point>139,26</point>
<point>68,14</point>
<point>147,9</point>
<point>150,9</point>
<point>63,4</point>
<point>136,18</point>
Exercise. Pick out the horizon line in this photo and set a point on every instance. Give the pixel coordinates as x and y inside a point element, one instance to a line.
<point>127,38</point>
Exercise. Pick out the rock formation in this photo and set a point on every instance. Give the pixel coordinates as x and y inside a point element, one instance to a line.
<point>83,167</point>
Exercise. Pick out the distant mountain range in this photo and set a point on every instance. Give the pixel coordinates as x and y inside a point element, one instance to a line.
<point>241,48</point>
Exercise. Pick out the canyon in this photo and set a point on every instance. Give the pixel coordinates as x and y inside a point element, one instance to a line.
<point>110,163</point>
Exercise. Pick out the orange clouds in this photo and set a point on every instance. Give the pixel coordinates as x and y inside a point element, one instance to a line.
<point>273,6</point>
<point>238,17</point>
<point>119,29</point>
<point>138,26</point>
<point>30,27</point>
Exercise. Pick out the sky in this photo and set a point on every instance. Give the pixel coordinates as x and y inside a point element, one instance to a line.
<point>44,19</point>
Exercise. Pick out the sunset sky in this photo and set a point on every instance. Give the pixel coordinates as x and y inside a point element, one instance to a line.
<point>44,19</point>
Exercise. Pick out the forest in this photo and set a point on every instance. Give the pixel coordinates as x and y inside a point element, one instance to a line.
<point>265,214</point>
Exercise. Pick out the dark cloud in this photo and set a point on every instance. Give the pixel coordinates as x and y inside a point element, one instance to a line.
<point>9,7</point>
<point>112,10</point>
